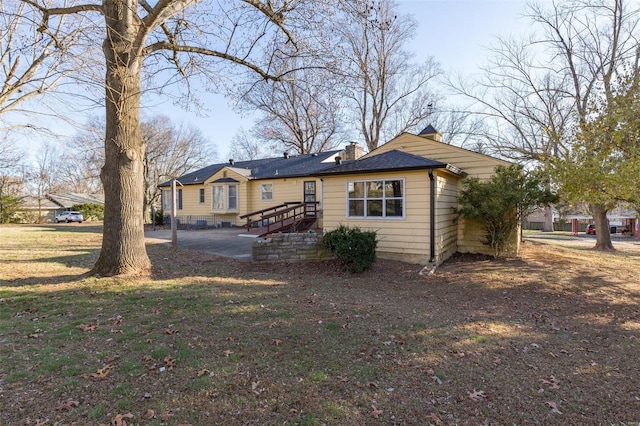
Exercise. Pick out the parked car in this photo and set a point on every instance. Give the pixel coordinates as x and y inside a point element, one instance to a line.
<point>69,217</point>
<point>591,229</point>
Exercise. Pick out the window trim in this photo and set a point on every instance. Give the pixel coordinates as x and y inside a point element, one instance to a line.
<point>226,197</point>
<point>384,199</point>
<point>213,198</point>
<point>201,195</point>
<point>262,192</point>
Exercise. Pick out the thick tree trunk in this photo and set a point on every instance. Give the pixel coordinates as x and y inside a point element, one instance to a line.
<point>548,219</point>
<point>123,246</point>
<point>603,236</point>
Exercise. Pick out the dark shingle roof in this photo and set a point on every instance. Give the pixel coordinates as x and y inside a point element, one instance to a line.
<point>388,161</point>
<point>428,130</point>
<point>280,167</point>
<point>225,180</point>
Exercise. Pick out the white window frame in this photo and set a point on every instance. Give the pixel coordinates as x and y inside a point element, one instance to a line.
<point>263,192</point>
<point>201,195</point>
<point>384,199</point>
<point>229,197</point>
<point>226,197</point>
<point>215,198</point>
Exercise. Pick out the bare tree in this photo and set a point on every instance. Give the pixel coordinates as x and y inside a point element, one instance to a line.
<point>194,37</point>
<point>32,63</point>
<point>300,113</point>
<point>171,152</point>
<point>388,92</point>
<point>246,146</point>
<point>11,180</point>
<point>42,178</point>
<point>537,91</point>
<point>83,156</point>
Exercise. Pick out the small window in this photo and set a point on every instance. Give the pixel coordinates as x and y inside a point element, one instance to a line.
<point>217,197</point>
<point>166,200</point>
<point>201,191</point>
<point>376,199</point>
<point>266,192</point>
<point>179,199</point>
<point>233,197</point>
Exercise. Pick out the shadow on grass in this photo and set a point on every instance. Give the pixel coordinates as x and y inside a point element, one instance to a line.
<point>289,343</point>
<point>71,227</point>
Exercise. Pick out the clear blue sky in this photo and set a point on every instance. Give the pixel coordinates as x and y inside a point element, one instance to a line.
<point>455,32</point>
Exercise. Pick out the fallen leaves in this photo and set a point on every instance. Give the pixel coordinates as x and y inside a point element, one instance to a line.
<point>551,381</point>
<point>477,395</point>
<point>554,407</point>
<point>434,418</point>
<point>202,372</point>
<point>376,413</point>
<point>121,419</point>
<point>88,327</point>
<point>100,373</point>
<point>169,362</point>
<point>68,405</point>
<point>149,363</point>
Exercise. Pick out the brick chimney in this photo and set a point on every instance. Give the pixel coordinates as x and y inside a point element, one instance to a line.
<point>353,151</point>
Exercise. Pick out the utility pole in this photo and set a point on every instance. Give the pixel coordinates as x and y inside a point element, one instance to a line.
<point>174,230</point>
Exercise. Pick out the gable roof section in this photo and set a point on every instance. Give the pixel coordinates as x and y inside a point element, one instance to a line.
<point>225,180</point>
<point>429,143</point>
<point>267,168</point>
<point>389,161</point>
<point>69,199</point>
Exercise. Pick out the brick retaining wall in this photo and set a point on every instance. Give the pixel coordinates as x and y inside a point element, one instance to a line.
<point>289,248</point>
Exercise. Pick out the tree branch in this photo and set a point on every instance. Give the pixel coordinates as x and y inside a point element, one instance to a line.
<point>164,45</point>
<point>47,12</point>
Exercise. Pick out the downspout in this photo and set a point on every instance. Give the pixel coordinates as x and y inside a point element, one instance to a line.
<point>432,217</point>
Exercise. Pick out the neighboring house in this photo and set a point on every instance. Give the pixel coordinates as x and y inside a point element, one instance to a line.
<point>70,199</point>
<point>47,208</point>
<point>405,190</point>
<point>36,210</point>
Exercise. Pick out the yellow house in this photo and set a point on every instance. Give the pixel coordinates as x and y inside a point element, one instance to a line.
<point>406,190</point>
<point>221,194</point>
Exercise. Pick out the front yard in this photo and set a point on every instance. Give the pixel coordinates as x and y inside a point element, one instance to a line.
<point>551,338</point>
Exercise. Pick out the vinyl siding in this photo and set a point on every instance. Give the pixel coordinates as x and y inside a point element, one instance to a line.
<point>284,190</point>
<point>191,201</point>
<point>474,164</point>
<point>403,239</point>
<point>469,235</point>
<point>446,227</point>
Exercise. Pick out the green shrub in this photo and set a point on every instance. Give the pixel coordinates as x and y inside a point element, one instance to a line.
<point>90,211</point>
<point>354,248</point>
<point>159,217</point>
<point>501,203</point>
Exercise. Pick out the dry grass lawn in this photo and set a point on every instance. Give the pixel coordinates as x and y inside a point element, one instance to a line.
<point>551,338</point>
